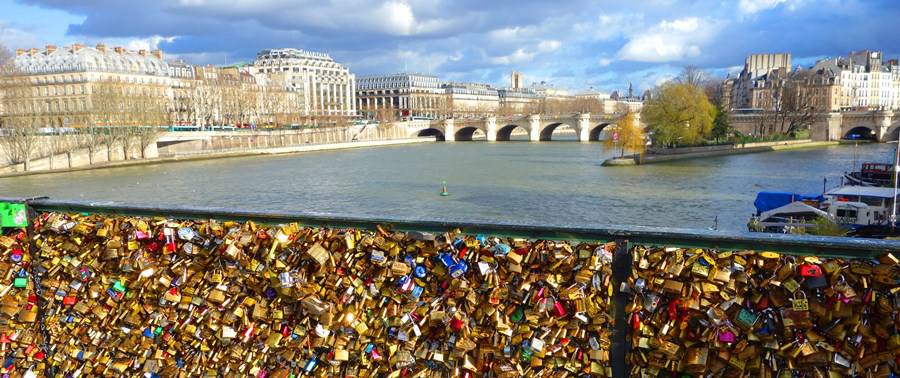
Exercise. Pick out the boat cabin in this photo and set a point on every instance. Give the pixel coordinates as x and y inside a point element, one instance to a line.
<point>797,214</point>
<point>859,205</point>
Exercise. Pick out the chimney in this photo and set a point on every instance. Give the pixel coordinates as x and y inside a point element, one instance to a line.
<point>76,47</point>
<point>157,53</point>
<point>119,49</point>
<point>142,52</point>
<point>20,52</point>
<point>101,47</point>
<point>51,49</point>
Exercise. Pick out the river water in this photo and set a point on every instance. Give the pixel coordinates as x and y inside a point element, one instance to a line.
<point>548,183</point>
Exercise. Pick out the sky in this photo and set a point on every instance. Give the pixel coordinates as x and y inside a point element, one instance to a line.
<point>571,44</point>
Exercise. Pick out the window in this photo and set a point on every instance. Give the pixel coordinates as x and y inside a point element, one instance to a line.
<point>846,213</point>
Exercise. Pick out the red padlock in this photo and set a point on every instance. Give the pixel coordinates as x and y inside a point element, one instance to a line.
<point>810,270</point>
<point>69,300</point>
<point>456,324</point>
<point>558,309</point>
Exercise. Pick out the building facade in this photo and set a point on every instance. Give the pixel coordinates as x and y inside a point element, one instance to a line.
<point>327,87</point>
<point>860,81</point>
<point>78,86</point>
<point>516,80</point>
<point>518,100</point>
<point>472,99</point>
<point>743,90</point>
<point>402,95</point>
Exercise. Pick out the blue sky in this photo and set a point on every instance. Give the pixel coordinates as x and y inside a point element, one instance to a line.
<point>574,44</point>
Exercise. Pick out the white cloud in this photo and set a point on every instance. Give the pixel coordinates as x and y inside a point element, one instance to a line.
<point>609,26</point>
<point>670,40</point>
<point>14,38</point>
<point>525,55</point>
<point>149,43</point>
<point>516,57</point>
<point>397,18</point>
<point>408,60</point>
<point>391,17</point>
<point>755,6</point>
<point>549,45</point>
<point>603,62</point>
<point>513,34</point>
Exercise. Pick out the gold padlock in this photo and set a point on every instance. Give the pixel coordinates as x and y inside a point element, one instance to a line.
<point>800,303</point>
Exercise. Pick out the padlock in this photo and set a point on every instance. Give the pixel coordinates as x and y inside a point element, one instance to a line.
<point>810,270</point>
<point>800,303</point>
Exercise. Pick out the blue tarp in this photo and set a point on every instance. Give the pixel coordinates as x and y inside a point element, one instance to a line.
<point>766,201</point>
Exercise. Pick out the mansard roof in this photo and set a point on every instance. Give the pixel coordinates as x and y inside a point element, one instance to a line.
<point>89,59</point>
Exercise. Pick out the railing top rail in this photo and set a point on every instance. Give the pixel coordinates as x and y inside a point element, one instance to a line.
<point>793,244</point>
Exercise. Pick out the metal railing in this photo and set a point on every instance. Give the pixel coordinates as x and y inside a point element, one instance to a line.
<point>792,244</point>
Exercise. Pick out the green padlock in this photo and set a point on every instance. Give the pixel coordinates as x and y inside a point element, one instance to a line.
<point>20,282</point>
<point>517,315</point>
<point>13,215</point>
<point>746,318</point>
<point>119,287</point>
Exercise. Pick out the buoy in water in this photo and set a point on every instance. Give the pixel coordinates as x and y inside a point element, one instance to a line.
<point>444,191</point>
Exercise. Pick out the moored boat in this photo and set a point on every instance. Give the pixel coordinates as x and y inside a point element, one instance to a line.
<point>871,174</point>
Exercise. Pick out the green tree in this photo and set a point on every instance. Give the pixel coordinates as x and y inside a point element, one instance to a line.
<point>679,114</point>
<point>721,128</point>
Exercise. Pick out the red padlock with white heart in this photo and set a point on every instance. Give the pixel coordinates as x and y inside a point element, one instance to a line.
<point>810,270</point>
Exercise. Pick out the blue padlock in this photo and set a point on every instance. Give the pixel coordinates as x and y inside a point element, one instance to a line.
<point>447,260</point>
<point>501,249</point>
<point>420,272</point>
<point>458,269</point>
<point>310,365</point>
<point>417,291</point>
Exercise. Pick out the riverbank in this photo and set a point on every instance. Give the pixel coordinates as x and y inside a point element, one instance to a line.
<point>229,154</point>
<point>713,151</point>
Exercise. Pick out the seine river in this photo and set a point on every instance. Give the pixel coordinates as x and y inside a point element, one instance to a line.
<point>548,183</point>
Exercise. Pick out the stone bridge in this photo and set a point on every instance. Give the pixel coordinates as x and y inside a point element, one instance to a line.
<point>878,125</point>
<point>538,127</point>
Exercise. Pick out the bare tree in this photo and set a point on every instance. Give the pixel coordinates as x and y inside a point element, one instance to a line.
<point>385,116</point>
<point>19,126</point>
<point>790,106</point>
<point>692,75</point>
<point>715,92</point>
<point>92,138</point>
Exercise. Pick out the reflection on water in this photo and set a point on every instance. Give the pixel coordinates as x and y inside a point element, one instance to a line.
<point>558,183</point>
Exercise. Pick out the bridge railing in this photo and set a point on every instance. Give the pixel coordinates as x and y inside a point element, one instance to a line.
<point>798,244</point>
<point>625,239</point>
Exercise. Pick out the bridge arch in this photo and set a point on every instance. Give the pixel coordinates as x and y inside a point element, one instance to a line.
<point>547,130</point>
<point>504,132</point>
<point>432,132</point>
<point>465,133</point>
<point>892,133</point>
<point>597,130</point>
<point>861,133</point>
